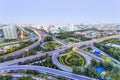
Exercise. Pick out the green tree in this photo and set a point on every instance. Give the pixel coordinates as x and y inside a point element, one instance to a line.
<point>48,38</point>
<point>75,69</point>
<point>93,62</point>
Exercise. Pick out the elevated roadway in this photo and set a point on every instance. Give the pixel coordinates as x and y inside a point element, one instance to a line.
<point>46,70</point>
<point>26,48</point>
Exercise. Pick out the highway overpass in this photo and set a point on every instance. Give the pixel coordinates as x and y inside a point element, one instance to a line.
<point>46,70</point>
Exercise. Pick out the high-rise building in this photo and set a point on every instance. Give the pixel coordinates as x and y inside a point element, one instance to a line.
<point>10,32</point>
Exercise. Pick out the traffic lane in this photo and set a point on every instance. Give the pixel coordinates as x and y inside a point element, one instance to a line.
<point>21,59</point>
<point>47,70</point>
<point>56,62</point>
<point>28,47</point>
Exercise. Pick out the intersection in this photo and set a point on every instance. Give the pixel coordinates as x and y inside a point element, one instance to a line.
<point>8,64</point>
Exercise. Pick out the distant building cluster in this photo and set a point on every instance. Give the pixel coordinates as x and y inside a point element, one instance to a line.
<point>109,27</point>
<point>57,28</point>
<point>89,30</point>
<point>95,33</point>
<point>112,45</point>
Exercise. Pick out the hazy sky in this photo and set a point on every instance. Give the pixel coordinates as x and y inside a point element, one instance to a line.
<point>59,11</point>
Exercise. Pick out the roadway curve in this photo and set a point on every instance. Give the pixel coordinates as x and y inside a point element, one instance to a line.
<point>97,41</point>
<point>57,50</point>
<point>46,70</point>
<point>58,64</point>
<point>85,54</point>
<point>65,68</point>
<point>24,49</point>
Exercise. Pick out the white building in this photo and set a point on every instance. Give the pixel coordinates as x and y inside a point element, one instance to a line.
<point>56,28</point>
<point>113,45</point>
<point>10,32</point>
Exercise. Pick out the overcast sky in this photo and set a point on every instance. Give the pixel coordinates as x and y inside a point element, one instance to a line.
<point>59,11</point>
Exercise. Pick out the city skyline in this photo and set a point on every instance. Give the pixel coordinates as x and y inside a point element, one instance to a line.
<point>59,12</point>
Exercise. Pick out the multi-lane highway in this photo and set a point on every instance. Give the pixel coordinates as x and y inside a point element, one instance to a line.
<point>8,63</point>
<point>96,40</point>
<point>85,54</point>
<point>11,62</point>
<point>47,70</point>
<point>26,48</point>
<point>55,52</point>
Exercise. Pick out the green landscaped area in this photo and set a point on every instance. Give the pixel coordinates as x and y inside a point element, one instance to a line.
<point>71,59</point>
<point>114,41</point>
<point>71,34</point>
<point>71,40</point>
<point>106,58</point>
<point>88,49</point>
<point>102,56</point>
<point>52,44</point>
<point>112,51</point>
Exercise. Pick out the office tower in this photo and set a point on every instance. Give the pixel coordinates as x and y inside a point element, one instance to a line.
<point>10,32</point>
